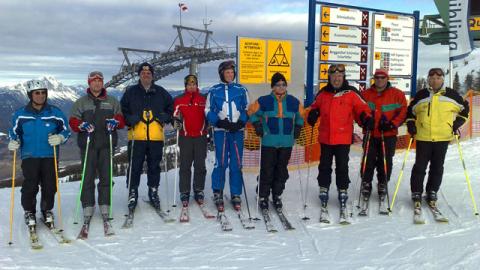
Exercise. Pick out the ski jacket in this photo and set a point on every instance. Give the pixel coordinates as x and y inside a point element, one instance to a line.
<point>190,108</point>
<point>95,110</point>
<point>146,113</point>
<point>389,104</point>
<point>338,109</point>
<point>278,116</point>
<point>227,101</point>
<point>32,128</point>
<point>434,113</point>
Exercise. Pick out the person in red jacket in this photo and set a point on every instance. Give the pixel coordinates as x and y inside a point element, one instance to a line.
<point>338,104</point>
<point>389,106</point>
<point>189,120</point>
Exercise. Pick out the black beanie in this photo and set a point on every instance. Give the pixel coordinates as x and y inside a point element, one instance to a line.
<point>145,66</point>
<point>190,78</point>
<point>276,78</point>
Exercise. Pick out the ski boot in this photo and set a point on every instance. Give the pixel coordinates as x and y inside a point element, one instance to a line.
<point>185,197</point>
<point>132,198</point>
<point>30,219</point>
<point>199,196</point>
<point>218,199</point>
<point>263,202</point>
<point>417,197</point>
<point>323,197</point>
<point>48,218</point>
<point>277,202</point>
<point>236,202</point>
<point>153,197</point>
<point>382,190</point>
<point>342,198</point>
<point>366,190</point>
<point>431,198</point>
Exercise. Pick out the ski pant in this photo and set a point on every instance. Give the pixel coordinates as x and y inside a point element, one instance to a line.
<point>433,152</point>
<point>375,159</point>
<point>228,153</point>
<point>340,152</point>
<point>38,172</point>
<point>152,151</point>
<point>192,150</point>
<point>98,164</point>
<point>273,170</point>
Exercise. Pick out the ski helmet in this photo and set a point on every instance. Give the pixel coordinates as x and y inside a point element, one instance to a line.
<point>190,79</point>
<point>230,64</point>
<point>33,85</point>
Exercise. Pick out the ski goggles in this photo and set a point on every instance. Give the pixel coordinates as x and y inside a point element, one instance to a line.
<point>436,71</point>
<point>340,68</point>
<point>95,75</point>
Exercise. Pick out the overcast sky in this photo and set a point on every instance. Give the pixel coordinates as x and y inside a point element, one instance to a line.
<point>67,39</point>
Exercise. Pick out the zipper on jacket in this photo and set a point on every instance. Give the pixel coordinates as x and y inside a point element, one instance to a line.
<point>147,114</point>
<point>429,104</point>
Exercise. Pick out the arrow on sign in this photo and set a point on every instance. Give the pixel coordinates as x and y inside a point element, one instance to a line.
<point>324,71</point>
<point>325,14</point>
<point>325,33</point>
<point>324,52</point>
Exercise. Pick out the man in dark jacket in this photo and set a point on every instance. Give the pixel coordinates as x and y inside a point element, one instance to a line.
<point>96,116</point>
<point>147,108</point>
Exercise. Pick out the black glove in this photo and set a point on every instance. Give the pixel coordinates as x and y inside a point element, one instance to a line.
<point>234,127</point>
<point>296,131</point>
<point>368,122</point>
<point>313,116</point>
<point>386,125</point>
<point>258,128</point>
<point>224,123</point>
<point>457,124</point>
<point>412,129</point>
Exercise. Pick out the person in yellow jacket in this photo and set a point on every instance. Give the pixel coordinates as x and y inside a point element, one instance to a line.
<point>147,108</point>
<point>433,118</point>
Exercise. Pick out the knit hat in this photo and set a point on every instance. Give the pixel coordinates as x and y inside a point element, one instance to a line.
<point>276,78</point>
<point>145,66</point>
<point>95,75</point>
<point>190,79</point>
<point>381,72</point>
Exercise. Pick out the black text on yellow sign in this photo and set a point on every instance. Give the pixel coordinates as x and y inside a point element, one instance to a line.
<point>474,24</point>
<point>252,60</point>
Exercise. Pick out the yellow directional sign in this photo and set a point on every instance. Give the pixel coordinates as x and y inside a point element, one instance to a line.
<point>279,58</point>
<point>475,24</point>
<point>251,53</point>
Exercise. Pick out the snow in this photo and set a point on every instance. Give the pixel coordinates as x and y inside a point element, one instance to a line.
<point>374,242</point>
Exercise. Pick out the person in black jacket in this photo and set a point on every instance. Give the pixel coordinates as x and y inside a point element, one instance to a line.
<point>147,107</point>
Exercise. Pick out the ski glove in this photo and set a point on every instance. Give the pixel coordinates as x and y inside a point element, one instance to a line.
<point>258,128</point>
<point>112,124</point>
<point>412,129</point>
<point>368,122</point>
<point>13,145</point>
<point>177,123</point>
<point>55,139</point>
<point>85,126</point>
<point>234,127</point>
<point>296,131</point>
<point>224,123</point>
<point>386,125</point>
<point>313,116</point>
<point>457,124</point>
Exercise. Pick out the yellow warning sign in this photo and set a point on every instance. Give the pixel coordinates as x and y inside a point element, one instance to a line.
<point>251,53</point>
<point>279,58</point>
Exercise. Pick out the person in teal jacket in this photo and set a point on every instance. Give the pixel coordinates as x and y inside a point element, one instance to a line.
<point>278,120</point>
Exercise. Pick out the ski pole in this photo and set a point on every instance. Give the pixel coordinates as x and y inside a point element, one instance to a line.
<point>166,151</point>
<point>111,174</point>
<point>475,211</point>
<point>302,198</point>
<point>75,218</point>
<point>176,172</point>
<point>129,185</point>
<point>308,171</point>
<point>401,174</point>
<point>259,177</point>
<point>385,169</point>
<point>239,164</point>
<point>366,148</point>
<point>12,196</point>
<point>59,206</point>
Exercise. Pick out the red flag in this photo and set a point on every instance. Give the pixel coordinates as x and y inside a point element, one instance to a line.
<point>183,7</point>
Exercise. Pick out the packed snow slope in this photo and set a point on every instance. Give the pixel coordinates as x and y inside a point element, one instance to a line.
<point>373,242</point>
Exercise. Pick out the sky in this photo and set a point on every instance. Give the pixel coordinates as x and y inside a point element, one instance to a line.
<point>67,39</point>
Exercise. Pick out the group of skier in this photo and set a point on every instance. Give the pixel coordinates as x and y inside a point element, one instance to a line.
<point>433,118</point>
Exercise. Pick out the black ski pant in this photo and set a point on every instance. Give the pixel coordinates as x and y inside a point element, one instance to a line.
<point>340,152</point>
<point>375,159</point>
<point>151,151</point>
<point>433,152</point>
<point>192,150</point>
<point>98,165</point>
<point>38,172</point>
<point>274,170</point>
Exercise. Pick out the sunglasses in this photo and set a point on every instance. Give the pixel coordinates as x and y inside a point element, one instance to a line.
<point>380,77</point>
<point>436,71</point>
<point>282,85</point>
<point>40,92</point>
<point>336,68</point>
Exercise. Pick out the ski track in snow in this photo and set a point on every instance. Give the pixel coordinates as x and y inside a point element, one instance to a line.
<point>373,242</point>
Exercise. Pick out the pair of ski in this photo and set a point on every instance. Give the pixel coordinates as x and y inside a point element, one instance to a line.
<point>281,215</point>
<point>325,216</point>
<point>107,229</point>
<point>225,223</point>
<point>418,214</point>
<point>131,213</point>
<point>365,202</point>
<point>56,233</point>
<point>185,215</point>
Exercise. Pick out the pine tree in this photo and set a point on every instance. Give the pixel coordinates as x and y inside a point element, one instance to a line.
<point>456,82</point>
<point>468,83</point>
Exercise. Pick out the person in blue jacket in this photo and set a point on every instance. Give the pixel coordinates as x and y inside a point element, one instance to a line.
<point>36,129</point>
<point>226,111</point>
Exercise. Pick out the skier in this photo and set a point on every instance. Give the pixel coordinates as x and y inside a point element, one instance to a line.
<point>36,129</point>
<point>226,110</point>
<point>337,103</point>
<point>189,120</point>
<point>433,117</point>
<point>147,108</point>
<point>278,120</point>
<point>389,106</point>
<point>96,115</point>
